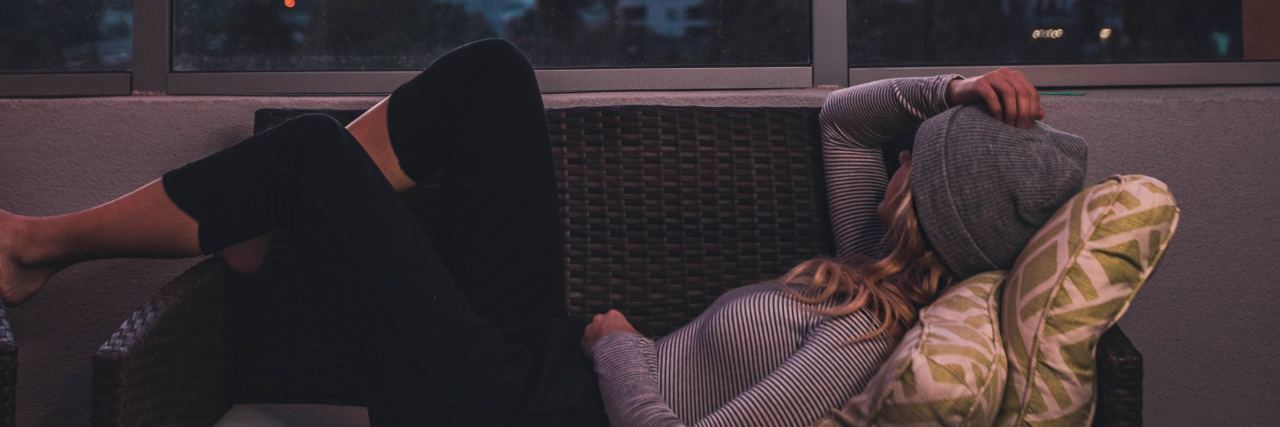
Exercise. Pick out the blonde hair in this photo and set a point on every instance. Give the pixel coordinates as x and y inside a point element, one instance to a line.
<point>893,287</point>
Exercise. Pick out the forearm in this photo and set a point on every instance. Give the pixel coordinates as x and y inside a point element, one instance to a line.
<point>855,122</point>
<point>627,368</point>
<point>869,114</point>
<point>823,373</point>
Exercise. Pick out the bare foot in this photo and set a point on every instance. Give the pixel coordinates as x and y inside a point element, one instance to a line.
<point>247,256</point>
<point>20,275</point>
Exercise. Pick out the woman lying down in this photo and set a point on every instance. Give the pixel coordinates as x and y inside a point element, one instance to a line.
<point>469,326</point>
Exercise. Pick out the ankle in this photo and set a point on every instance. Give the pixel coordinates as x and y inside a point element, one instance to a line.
<point>26,245</point>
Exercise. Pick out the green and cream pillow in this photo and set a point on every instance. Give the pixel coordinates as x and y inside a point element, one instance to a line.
<point>1071,283</point>
<point>949,369</point>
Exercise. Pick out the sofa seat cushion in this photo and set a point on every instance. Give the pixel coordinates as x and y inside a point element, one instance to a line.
<point>288,415</point>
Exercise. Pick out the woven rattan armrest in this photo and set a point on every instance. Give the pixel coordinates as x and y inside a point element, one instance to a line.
<point>8,369</point>
<point>1119,393</point>
<point>167,364</point>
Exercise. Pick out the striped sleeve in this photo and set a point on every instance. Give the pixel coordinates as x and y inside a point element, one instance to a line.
<point>827,369</point>
<point>855,122</point>
<point>627,368</point>
<point>821,375</point>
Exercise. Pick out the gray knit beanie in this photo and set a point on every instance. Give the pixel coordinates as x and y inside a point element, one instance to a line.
<point>982,188</point>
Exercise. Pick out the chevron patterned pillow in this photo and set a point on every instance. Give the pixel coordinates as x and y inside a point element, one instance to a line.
<point>949,368</point>
<point>1071,283</point>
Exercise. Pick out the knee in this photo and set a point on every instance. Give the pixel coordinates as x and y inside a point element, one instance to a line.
<point>312,123</point>
<point>313,134</point>
<point>501,54</point>
<point>310,127</point>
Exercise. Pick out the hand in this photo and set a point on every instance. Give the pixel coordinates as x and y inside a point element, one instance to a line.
<point>1008,94</point>
<point>603,325</point>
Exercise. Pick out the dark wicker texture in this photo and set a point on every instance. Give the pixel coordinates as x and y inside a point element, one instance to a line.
<point>664,208</point>
<point>8,369</point>
<point>1119,381</point>
<point>167,364</point>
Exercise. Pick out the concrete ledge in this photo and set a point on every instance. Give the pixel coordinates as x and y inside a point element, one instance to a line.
<point>809,97</point>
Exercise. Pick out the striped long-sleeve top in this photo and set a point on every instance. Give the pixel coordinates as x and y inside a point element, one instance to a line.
<point>757,356</point>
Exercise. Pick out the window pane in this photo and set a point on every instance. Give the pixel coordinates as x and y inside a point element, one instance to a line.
<point>242,35</point>
<point>66,35</point>
<point>955,32</point>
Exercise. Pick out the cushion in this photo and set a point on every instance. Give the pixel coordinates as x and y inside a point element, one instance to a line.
<point>949,368</point>
<point>1071,283</point>
<point>294,414</point>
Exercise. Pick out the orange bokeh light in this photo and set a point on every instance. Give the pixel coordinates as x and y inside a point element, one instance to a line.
<point>290,3</point>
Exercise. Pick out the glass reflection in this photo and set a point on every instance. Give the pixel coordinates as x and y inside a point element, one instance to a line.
<point>955,32</point>
<point>233,35</point>
<point>66,35</point>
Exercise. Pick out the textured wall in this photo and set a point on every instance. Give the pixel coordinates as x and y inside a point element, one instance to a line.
<point>1204,322</point>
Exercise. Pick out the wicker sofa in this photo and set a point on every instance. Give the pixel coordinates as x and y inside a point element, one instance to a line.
<point>8,369</point>
<point>665,208</point>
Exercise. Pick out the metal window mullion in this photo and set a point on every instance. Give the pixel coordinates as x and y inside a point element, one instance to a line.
<point>150,46</point>
<point>830,42</point>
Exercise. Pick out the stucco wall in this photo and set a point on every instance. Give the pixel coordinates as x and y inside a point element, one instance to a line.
<point>1205,322</point>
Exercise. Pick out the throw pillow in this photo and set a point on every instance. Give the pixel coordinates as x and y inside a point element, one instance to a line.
<point>949,368</point>
<point>1071,283</point>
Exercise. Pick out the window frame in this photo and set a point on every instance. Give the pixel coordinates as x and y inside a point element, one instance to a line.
<point>1105,75</point>
<point>151,73</point>
<point>36,85</point>
<point>550,81</point>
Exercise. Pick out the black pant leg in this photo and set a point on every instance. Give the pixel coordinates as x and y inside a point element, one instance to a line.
<point>500,201</point>
<point>477,113</point>
<point>398,390</point>
<point>432,348</point>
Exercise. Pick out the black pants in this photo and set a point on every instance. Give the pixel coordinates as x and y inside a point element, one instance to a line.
<point>465,327</point>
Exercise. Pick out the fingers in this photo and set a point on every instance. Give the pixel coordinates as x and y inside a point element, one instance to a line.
<point>589,334</point>
<point>1028,98</point>
<point>598,325</point>
<point>1027,110</point>
<point>1037,110</point>
<point>601,318</point>
<point>1029,101</point>
<point>1008,100</point>
<point>1011,98</point>
<point>992,99</point>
